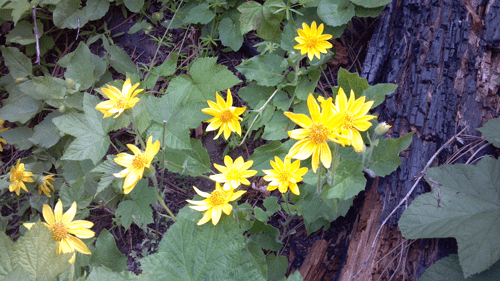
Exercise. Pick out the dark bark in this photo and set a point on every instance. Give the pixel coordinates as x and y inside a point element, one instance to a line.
<point>443,55</point>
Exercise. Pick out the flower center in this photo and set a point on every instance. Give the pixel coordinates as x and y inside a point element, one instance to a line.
<point>225,116</point>
<point>139,161</point>
<point>18,175</point>
<point>121,103</point>
<point>348,122</point>
<point>311,42</point>
<point>318,133</point>
<point>59,231</point>
<point>233,175</point>
<point>217,198</point>
<point>284,177</point>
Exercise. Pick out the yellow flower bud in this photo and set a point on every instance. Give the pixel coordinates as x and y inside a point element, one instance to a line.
<point>382,128</point>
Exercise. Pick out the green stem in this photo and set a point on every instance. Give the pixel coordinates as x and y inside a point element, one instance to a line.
<point>285,198</point>
<point>326,77</point>
<point>136,129</point>
<point>155,182</point>
<point>259,112</point>
<point>318,187</point>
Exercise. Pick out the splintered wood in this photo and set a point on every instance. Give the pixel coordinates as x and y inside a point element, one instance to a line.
<point>311,269</point>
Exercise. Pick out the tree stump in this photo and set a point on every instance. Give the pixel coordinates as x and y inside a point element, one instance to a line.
<point>444,56</point>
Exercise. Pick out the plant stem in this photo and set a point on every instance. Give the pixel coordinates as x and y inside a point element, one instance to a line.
<point>155,182</point>
<point>285,198</point>
<point>326,77</point>
<point>318,187</point>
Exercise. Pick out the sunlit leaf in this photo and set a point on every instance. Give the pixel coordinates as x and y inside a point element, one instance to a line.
<point>335,12</point>
<point>266,70</point>
<point>107,254</point>
<point>46,134</point>
<point>277,267</point>
<point>385,158</point>
<point>449,269</point>
<point>230,33</point>
<point>138,210</point>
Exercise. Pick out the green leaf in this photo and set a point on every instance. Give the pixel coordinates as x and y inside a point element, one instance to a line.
<point>134,5</point>
<point>263,154</point>
<point>276,267</point>
<point>466,206</point>
<point>119,60</point>
<point>80,67</point>
<point>258,257</point>
<point>107,254</point>
<point>75,170</point>
<point>349,181</point>
<point>449,269</point>
<point>35,253</point>
<point>277,128</point>
<point>108,168</point>
<point>46,133</point>
<point>491,131</point>
<point>18,8</point>
<point>138,209</point>
<point>19,137</point>
<point>69,15</point>
<point>378,92</point>
<point>23,33</point>
<point>385,158</point>
<point>199,14</point>
<point>266,236</point>
<point>363,12</point>
<point>336,12</point>
<point>230,33</point>
<point>295,276</point>
<point>206,252</point>
<point>251,16</point>
<point>371,3</point>
<point>45,88</point>
<point>96,9</point>
<point>19,108</point>
<point>307,84</point>
<point>90,130</point>
<point>103,273</point>
<point>75,193</point>
<point>253,94</point>
<point>195,159</point>
<point>269,27</point>
<point>351,81</point>
<point>266,70</point>
<point>6,255</point>
<point>18,64</point>
<point>271,204</point>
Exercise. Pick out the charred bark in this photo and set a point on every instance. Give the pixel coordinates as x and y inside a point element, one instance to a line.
<point>444,56</point>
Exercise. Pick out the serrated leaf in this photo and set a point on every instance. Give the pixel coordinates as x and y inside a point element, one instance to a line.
<point>138,209</point>
<point>271,204</point>
<point>230,33</point>
<point>307,84</point>
<point>75,193</point>
<point>19,137</point>
<point>6,255</point>
<point>491,131</point>
<point>466,206</point>
<point>205,252</point>
<point>352,81</point>
<point>378,92</point>
<point>45,88</point>
<point>18,8</point>
<point>276,267</point>
<point>269,27</point>
<point>103,273</point>
<point>385,158</point>
<point>336,12</point>
<point>134,5</point>
<point>36,254</point>
<point>349,181</point>
<point>23,33</point>
<point>69,15</point>
<point>266,236</point>
<point>260,214</point>
<point>46,134</point>
<point>449,269</point>
<point>266,70</point>
<point>199,14</point>
<point>195,159</point>
<point>80,67</point>
<point>75,170</point>
<point>295,276</point>
<point>276,129</point>
<point>107,254</point>
<point>253,94</point>
<point>371,3</point>
<point>251,15</point>
<point>257,257</point>
<point>18,64</point>
<point>119,60</point>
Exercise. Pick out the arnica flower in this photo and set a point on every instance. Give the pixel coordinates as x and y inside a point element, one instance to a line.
<point>118,101</point>
<point>18,176</point>
<point>46,186</point>
<point>135,164</point>
<point>356,118</point>
<point>311,41</point>
<point>226,116</point>
<point>285,175</point>
<point>234,173</point>
<point>215,203</point>
<point>312,138</point>
<point>65,230</point>
<point>2,129</point>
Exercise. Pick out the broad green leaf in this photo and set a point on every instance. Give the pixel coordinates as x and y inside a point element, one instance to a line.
<point>307,84</point>
<point>206,252</point>
<point>167,68</point>
<point>336,12</point>
<point>269,28</point>
<point>295,276</point>
<point>277,128</point>
<point>138,209</point>
<point>45,88</point>
<point>199,14</point>
<point>271,204</point>
<point>378,92</point>
<point>23,33</point>
<point>351,81</point>
<point>90,130</point>
<point>134,5</point>
<point>18,64</point>
<point>449,269</point>
<point>263,154</point>
<point>276,267</point>
<point>138,26</point>
<point>371,3</point>
<point>363,12</point>
<point>103,273</point>
<point>491,131</point>
<point>348,182</point>
<point>35,254</point>
<point>19,107</point>
<point>6,255</point>
<point>251,16</point>
<point>18,7</point>
<point>107,254</point>
<point>266,70</point>
<point>80,67</point>
<point>19,137</point>
<point>46,133</point>
<point>76,193</point>
<point>385,158</point>
<point>96,9</point>
<point>465,205</point>
<point>119,60</point>
<point>195,159</point>
<point>230,33</point>
<point>266,236</point>
<point>75,170</point>
<point>107,168</point>
<point>260,214</point>
<point>205,78</point>
<point>253,94</point>
<point>69,15</point>
<point>257,257</point>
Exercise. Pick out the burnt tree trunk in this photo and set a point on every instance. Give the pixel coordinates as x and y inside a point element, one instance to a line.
<point>444,56</point>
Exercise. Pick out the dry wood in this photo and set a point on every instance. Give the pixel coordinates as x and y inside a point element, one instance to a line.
<point>311,268</point>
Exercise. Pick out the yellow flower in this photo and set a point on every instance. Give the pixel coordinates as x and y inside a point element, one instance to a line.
<point>356,118</point>
<point>226,116</point>
<point>46,185</point>
<point>285,175</point>
<point>135,164</point>
<point>118,100</point>
<point>65,230</point>
<point>18,177</point>
<point>311,41</point>
<point>215,203</point>
<point>2,129</point>
<point>233,174</point>
<point>316,131</point>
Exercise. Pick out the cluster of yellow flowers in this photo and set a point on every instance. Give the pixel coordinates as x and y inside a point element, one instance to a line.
<point>19,175</point>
